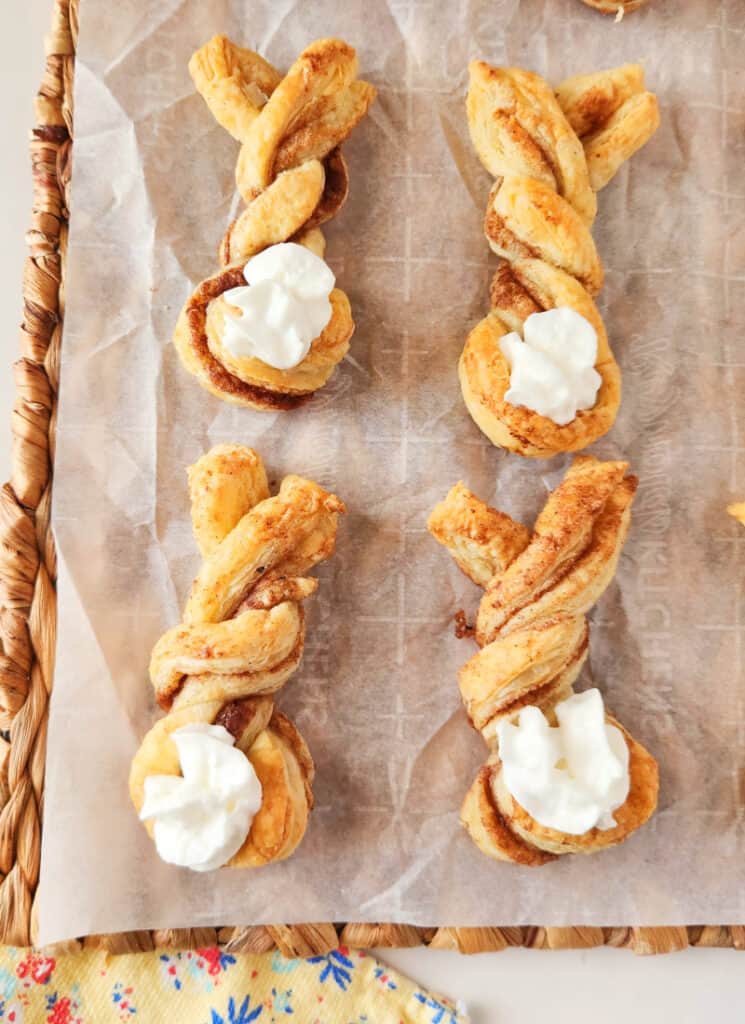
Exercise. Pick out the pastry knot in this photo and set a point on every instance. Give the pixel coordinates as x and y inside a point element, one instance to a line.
<point>549,153</point>
<point>533,636</point>
<point>292,177</point>
<point>242,632</point>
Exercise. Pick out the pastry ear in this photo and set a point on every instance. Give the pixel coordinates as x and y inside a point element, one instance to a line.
<point>482,540</point>
<point>589,100</point>
<point>223,485</point>
<point>310,112</point>
<point>234,83</point>
<point>613,114</point>
<point>518,127</point>
<point>560,551</point>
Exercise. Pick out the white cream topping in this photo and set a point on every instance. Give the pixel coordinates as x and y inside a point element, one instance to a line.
<point>202,817</point>
<point>570,777</point>
<point>282,309</point>
<point>552,370</point>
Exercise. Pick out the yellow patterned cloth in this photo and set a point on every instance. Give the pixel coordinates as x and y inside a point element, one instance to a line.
<point>208,986</point>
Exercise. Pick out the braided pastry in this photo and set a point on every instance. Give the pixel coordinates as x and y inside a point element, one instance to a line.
<point>533,635</point>
<point>549,154</point>
<point>241,638</point>
<point>292,176</point>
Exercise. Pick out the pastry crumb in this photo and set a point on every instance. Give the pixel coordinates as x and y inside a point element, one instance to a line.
<point>462,627</point>
<point>737,510</point>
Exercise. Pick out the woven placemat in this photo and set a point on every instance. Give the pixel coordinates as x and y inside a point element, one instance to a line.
<point>28,611</point>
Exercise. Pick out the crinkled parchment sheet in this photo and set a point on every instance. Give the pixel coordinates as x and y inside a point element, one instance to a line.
<point>376,696</point>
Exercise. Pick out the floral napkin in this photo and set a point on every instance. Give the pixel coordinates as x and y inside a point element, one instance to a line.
<point>208,986</point>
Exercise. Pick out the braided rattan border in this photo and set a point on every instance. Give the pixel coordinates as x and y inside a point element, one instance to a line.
<point>28,612</point>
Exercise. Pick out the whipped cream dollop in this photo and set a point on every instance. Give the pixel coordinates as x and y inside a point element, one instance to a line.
<point>552,369</point>
<point>283,307</point>
<point>202,817</point>
<point>570,777</point>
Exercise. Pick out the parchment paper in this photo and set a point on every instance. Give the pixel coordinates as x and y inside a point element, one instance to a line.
<point>376,696</point>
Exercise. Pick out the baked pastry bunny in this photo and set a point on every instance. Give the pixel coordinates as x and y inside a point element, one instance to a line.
<point>292,177</point>
<point>533,635</point>
<point>214,674</point>
<point>549,153</point>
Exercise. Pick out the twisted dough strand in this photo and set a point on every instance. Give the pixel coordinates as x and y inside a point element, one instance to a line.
<point>242,636</point>
<point>292,176</point>
<point>549,153</point>
<point>533,635</point>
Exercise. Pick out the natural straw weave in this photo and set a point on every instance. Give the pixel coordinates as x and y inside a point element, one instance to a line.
<point>28,614</point>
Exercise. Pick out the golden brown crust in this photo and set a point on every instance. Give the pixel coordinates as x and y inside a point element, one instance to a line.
<point>612,113</point>
<point>242,636</point>
<point>533,636</point>
<point>259,385</point>
<point>511,671</point>
<point>285,770</point>
<point>484,823</point>
<point>286,534</point>
<point>276,214</point>
<point>527,218</point>
<point>588,101</point>
<point>580,581</point>
<point>482,540</point>
<point>235,83</point>
<point>326,351</point>
<point>292,177</point>
<point>311,112</point>
<point>292,737</point>
<point>223,485</point>
<point>517,127</point>
<point>245,719</point>
<point>518,289</point>
<point>255,652</point>
<point>564,532</point>
<point>502,829</point>
<point>298,200</point>
<point>192,345</point>
<point>335,190</point>
<point>623,134</point>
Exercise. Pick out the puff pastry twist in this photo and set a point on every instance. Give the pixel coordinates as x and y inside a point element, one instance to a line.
<point>533,635</point>
<point>242,636</point>
<point>549,153</point>
<point>292,176</point>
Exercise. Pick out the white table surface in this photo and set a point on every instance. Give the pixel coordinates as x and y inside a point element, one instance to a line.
<point>519,985</point>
